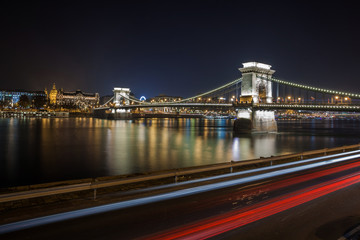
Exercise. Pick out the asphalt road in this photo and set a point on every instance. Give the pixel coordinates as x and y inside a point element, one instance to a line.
<point>316,204</point>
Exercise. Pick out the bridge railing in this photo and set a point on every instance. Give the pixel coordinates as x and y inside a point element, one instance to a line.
<point>94,185</point>
<point>316,107</point>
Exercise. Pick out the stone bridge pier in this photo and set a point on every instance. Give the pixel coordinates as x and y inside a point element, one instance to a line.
<point>255,90</point>
<point>250,120</point>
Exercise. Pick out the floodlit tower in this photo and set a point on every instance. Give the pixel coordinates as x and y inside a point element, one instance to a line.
<point>254,88</point>
<point>53,95</point>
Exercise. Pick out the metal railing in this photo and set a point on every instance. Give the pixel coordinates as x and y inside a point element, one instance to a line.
<point>94,185</point>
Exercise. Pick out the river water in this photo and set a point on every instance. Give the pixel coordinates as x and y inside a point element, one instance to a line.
<point>53,149</point>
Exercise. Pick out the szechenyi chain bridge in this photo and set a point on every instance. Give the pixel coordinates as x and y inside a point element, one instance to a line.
<point>254,97</point>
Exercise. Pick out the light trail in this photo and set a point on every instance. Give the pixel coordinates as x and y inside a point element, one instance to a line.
<point>251,171</point>
<point>161,197</point>
<point>235,219</point>
<point>281,184</point>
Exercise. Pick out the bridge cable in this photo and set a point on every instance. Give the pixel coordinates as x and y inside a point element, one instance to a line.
<point>310,88</point>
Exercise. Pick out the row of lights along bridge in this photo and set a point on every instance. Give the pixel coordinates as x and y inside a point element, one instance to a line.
<point>288,99</point>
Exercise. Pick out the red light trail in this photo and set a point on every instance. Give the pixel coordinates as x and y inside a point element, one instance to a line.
<point>281,184</point>
<point>225,222</point>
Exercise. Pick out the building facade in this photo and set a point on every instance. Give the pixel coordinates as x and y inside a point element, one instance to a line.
<point>77,99</point>
<point>11,97</point>
<point>53,95</point>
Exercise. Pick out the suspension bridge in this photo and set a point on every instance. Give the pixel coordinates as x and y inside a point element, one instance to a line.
<point>254,97</point>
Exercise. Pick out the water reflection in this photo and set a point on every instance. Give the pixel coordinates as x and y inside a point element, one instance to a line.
<point>42,150</point>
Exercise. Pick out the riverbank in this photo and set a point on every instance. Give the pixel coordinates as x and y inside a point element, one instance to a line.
<point>110,116</point>
<point>15,211</point>
<point>48,194</point>
<point>39,114</point>
<point>43,114</point>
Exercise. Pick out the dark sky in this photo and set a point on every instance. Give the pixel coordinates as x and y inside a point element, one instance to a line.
<point>175,47</point>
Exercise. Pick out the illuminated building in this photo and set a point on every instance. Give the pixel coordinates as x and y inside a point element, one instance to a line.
<point>53,95</point>
<point>77,99</point>
<point>12,97</point>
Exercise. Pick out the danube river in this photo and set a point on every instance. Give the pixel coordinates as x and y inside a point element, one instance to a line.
<point>53,149</point>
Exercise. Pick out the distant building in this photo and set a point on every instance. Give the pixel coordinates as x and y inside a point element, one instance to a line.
<point>12,97</point>
<point>53,95</point>
<point>78,99</point>
<point>165,98</point>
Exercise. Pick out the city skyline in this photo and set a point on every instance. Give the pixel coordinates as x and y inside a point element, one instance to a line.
<point>178,48</point>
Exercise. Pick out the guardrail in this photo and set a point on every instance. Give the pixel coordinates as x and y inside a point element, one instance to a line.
<point>94,185</point>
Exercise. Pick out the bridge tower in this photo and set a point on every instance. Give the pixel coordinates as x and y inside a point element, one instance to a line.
<point>121,96</point>
<point>255,90</point>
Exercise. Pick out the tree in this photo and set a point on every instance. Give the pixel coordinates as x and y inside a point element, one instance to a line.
<point>39,101</point>
<point>24,101</point>
<point>2,104</point>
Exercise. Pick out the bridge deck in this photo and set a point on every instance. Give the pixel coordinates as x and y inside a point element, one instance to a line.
<point>273,106</point>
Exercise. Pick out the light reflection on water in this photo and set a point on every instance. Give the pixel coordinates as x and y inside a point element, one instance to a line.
<point>43,150</point>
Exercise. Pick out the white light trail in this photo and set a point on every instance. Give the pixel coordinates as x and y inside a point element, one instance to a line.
<point>17,226</point>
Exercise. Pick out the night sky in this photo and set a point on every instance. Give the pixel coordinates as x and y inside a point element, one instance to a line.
<point>175,47</point>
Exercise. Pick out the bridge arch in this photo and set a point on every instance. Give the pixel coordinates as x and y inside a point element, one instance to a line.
<point>261,86</point>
